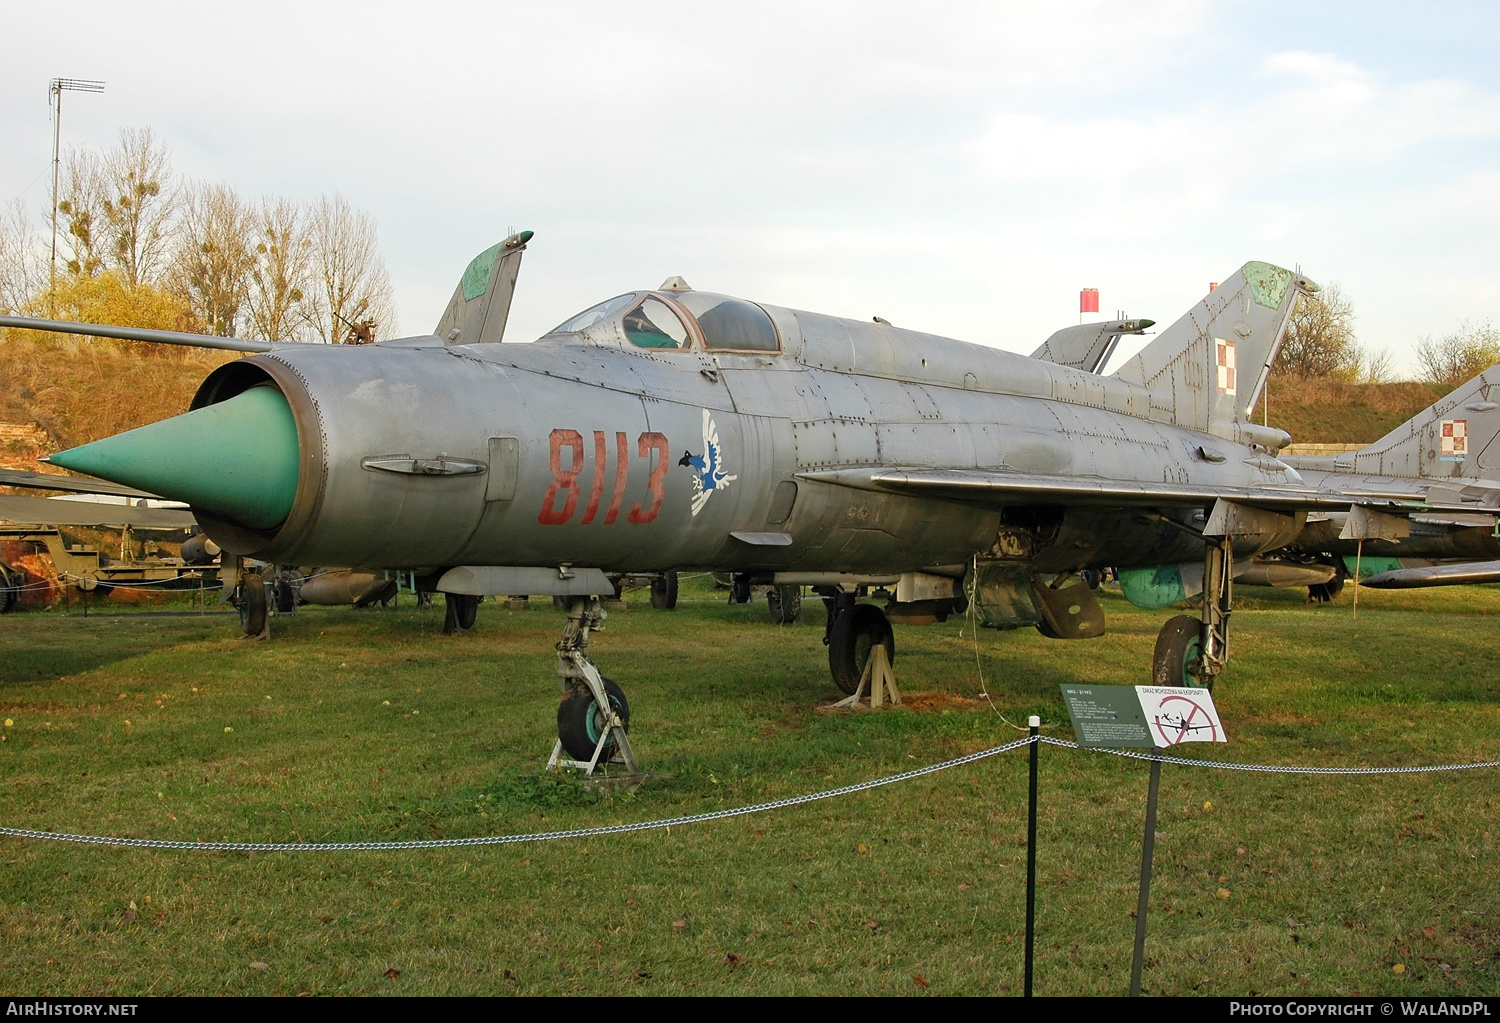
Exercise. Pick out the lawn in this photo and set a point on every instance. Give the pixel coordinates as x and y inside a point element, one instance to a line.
<point>371,725</point>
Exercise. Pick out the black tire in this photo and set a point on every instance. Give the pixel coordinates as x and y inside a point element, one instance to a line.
<point>855,633</point>
<point>579,722</point>
<point>1179,649</point>
<point>664,591</point>
<point>1326,593</point>
<point>561,603</point>
<point>253,604</point>
<point>286,601</point>
<point>785,603</point>
<point>739,588</point>
<point>462,608</point>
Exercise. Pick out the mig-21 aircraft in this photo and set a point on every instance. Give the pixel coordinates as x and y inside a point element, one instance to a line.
<point>671,428</point>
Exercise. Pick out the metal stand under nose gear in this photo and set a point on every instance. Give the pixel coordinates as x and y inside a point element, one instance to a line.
<point>608,715</point>
<point>1218,593</point>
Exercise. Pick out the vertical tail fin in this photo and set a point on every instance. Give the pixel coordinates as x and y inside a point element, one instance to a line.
<point>1454,438</point>
<point>1088,346</point>
<point>1211,365</point>
<point>480,305</point>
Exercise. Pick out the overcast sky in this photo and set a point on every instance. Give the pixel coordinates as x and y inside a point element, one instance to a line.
<point>958,168</point>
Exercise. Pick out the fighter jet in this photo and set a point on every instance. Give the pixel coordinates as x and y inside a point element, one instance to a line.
<point>1437,471</point>
<point>671,428</point>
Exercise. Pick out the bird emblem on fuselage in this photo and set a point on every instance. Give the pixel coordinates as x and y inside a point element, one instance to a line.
<point>708,468</point>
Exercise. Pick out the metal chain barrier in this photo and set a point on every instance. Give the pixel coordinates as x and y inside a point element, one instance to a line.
<point>541,836</point>
<point>700,818</point>
<point>1269,768</point>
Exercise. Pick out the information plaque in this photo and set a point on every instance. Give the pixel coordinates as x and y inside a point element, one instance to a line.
<point>1107,716</point>
<point>1141,717</point>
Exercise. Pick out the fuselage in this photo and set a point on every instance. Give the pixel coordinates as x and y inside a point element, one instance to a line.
<point>585,448</point>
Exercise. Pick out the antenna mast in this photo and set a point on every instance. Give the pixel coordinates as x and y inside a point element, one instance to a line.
<point>55,89</point>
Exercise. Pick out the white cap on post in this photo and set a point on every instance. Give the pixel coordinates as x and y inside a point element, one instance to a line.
<point>1034,721</point>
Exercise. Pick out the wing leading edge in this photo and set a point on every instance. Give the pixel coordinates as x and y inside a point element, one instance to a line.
<point>1000,487</point>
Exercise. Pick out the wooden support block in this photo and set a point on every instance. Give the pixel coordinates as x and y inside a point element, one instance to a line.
<point>878,679</point>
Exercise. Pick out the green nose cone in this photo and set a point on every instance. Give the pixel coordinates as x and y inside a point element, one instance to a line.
<point>238,459</point>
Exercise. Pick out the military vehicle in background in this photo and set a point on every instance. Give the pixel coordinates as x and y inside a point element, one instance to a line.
<point>136,561</point>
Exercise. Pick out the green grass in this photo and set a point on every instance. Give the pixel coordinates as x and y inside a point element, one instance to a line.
<point>371,725</point>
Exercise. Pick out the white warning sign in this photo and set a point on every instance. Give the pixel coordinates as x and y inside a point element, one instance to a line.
<point>1178,714</point>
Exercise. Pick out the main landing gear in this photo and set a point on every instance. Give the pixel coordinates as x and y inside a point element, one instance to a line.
<point>1193,651</point>
<point>593,717</point>
<point>462,609</point>
<point>852,632</point>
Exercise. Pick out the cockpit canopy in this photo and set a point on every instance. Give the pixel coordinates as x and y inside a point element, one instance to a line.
<point>676,320</point>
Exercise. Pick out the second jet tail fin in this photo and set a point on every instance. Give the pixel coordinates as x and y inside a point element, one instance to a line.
<point>1455,438</point>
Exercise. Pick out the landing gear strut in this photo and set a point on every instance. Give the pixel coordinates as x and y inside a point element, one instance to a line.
<point>1190,651</point>
<point>594,717</point>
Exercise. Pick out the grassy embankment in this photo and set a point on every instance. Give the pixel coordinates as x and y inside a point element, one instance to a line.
<point>371,725</point>
<point>1328,412</point>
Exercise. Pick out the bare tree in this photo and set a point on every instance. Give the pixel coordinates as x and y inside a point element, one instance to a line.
<point>1378,366</point>
<point>1320,340</point>
<point>215,254</point>
<point>81,202</point>
<point>23,265</point>
<point>138,205</point>
<point>353,287</point>
<point>1460,355</point>
<point>279,280</point>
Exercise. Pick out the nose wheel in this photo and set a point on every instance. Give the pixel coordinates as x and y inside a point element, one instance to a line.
<point>593,718</point>
<point>584,726</point>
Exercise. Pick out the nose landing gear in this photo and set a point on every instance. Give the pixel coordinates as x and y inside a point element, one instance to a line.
<point>593,717</point>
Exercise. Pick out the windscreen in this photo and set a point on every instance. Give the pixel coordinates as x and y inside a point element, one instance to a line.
<point>593,314</point>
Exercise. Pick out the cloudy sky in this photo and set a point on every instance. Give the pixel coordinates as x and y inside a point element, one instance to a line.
<point>958,168</point>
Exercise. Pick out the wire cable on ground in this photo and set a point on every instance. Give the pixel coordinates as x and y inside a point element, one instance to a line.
<point>697,818</point>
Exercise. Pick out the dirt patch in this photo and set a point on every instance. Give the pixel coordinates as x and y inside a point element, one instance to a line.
<point>930,703</point>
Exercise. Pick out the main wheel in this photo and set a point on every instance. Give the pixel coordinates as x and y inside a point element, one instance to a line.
<point>1179,652</point>
<point>253,603</point>
<point>739,588</point>
<point>462,609</point>
<point>855,633</point>
<point>664,591</point>
<point>580,721</point>
<point>785,603</point>
<point>1326,593</point>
